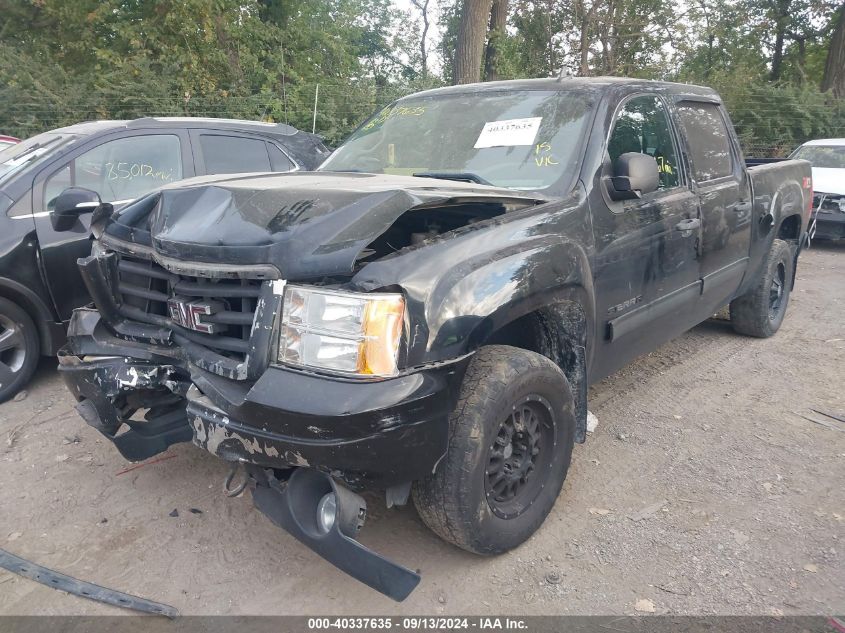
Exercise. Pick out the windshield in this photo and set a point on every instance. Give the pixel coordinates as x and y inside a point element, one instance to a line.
<point>832,156</point>
<point>30,152</point>
<point>518,139</point>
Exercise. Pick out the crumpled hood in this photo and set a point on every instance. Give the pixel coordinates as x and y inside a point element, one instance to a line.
<point>307,224</point>
<point>829,180</point>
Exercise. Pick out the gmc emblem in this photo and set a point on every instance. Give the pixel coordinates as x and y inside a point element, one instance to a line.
<point>189,314</point>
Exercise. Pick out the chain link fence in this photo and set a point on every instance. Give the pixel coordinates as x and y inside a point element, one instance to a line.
<point>769,124</point>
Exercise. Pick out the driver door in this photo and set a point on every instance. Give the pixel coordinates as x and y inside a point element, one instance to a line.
<point>646,265</point>
<point>120,169</point>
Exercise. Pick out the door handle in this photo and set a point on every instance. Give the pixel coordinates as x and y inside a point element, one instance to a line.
<point>742,207</point>
<point>688,225</point>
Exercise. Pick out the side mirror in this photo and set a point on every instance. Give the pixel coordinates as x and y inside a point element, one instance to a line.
<point>634,175</point>
<point>70,204</point>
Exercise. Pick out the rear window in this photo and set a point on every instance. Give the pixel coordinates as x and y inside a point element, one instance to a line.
<point>233,154</point>
<point>707,137</point>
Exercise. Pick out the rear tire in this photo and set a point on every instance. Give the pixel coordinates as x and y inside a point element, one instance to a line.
<point>761,310</point>
<point>510,444</point>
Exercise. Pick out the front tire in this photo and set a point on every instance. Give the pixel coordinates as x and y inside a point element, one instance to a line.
<point>761,310</point>
<point>19,348</point>
<point>510,444</point>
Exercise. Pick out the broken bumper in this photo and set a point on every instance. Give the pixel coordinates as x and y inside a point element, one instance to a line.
<point>368,434</point>
<point>308,430</point>
<point>293,506</point>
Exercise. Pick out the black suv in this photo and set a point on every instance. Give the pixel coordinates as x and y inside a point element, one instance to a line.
<point>40,283</point>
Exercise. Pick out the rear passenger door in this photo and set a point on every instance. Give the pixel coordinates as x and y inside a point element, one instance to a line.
<point>721,181</point>
<point>224,152</point>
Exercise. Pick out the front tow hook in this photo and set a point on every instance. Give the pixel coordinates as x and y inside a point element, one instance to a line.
<point>326,517</point>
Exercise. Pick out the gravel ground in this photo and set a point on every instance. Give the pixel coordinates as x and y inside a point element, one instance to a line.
<point>702,491</point>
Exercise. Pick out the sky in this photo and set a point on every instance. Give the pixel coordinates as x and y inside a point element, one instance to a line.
<point>433,37</point>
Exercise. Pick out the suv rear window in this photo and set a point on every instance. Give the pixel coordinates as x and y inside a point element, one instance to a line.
<point>233,154</point>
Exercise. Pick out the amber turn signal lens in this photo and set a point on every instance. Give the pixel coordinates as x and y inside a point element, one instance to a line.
<point>383,321</point>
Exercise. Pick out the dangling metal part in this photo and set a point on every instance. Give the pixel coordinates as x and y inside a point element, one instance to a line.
<point>227,483</point>
<point>56,580</point>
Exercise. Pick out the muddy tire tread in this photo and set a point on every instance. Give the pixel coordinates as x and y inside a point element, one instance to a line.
<point>441,500</point>
<point>750,312</point>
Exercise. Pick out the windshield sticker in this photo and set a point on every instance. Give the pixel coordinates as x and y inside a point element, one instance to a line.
<point>543,156</point>
<point>390,113</point>
<point>130,171</point>
<point>509,133</point>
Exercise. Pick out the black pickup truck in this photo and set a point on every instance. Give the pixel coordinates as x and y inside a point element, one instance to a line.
<point>424,313</point>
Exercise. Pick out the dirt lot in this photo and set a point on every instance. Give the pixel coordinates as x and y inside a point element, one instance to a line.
<point>700,492</point>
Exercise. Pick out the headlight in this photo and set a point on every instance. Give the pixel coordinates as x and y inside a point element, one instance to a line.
<point>355,333</point>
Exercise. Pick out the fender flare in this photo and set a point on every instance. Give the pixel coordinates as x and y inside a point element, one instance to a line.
<point>568,279</point>
<point>570,334</point>
<point>782,213</point>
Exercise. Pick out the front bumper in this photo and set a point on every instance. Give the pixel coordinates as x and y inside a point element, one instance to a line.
<point>829,226</point>
<point>368,434</point>
<point>311,431</point>
<point>292,505</point>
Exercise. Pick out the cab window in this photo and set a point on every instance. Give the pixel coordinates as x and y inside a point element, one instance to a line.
<point>642,126</point>
<point>122,169</point>
<point>708,140</point>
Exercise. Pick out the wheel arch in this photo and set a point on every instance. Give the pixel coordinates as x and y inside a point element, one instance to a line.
<point>789,228</point>
<point>561,329</point>
<point>37,310</point>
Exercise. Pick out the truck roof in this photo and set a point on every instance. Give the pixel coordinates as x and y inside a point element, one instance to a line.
<point>91,127</point>
<point>593,84</point>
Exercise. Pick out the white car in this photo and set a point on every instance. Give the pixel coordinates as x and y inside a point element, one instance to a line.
<point>827,157</point>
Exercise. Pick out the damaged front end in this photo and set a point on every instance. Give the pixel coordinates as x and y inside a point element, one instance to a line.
<point>191,286</point>
<point>145,402</point>
<point>308,440</point>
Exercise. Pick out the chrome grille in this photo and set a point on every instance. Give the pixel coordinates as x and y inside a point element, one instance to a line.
<point>145,288</point>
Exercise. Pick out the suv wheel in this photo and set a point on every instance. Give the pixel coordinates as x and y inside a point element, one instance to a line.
<point>19,348</point>
<point>761,310</point>
<point>510,444</point>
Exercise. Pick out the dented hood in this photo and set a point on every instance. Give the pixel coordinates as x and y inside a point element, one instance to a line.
<point>307,224</point>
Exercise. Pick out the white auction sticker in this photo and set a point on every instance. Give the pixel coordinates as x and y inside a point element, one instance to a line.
<point>508,133</point>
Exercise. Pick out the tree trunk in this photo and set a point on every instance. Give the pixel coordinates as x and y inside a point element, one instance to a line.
<point>584,45</point>
<point>422,7</point>
<point>781,24</point>
<point>587,17</point>
<point>834,68</point>
<point>472,32</point>
<point>498,23</point>
<point>802,59</point>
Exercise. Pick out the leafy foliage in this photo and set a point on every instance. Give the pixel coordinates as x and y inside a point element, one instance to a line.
<point>63,61</point>
<point>768,58</point>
